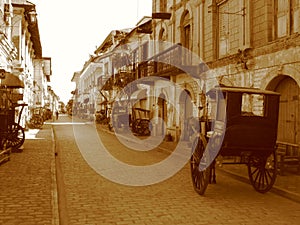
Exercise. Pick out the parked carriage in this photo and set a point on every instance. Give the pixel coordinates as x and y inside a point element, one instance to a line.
<point>243,131</point>
<point>119,118</point>
<point>37,118</point>
<point>10,128</point>
<point>141,121</point>
<point>12,134</point>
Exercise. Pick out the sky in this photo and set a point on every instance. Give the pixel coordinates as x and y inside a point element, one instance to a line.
<point>70,31</point>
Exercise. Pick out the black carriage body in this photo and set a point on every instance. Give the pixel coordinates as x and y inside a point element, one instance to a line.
<point>11,132</point>
<point>141,121</point>
<point>247,118</point>
<point>120,117</point>
<point>7,118</point>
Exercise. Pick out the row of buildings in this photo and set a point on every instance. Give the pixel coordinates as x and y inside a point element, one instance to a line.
<point>168,61</point>
<point>25,72</point>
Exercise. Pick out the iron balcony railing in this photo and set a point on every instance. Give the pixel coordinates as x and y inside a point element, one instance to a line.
<point>164,63</point>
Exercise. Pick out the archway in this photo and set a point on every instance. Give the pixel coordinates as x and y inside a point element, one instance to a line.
<point>289,108</point>
<point>185,112</point>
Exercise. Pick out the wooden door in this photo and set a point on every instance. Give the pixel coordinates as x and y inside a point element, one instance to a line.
<point>289,118</point>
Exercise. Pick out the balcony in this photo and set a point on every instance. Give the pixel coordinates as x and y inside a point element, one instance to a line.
<point>172,61</point>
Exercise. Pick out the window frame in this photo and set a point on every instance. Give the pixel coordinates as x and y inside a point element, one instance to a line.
<point>290,13</point>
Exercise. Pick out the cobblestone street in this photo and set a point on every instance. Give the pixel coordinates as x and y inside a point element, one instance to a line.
<point>28,193</point>
<point>27,185</point>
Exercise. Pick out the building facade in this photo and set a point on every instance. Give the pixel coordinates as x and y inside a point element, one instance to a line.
<point>243,43</point>
<point>196,44</point>
<point>21,58</point>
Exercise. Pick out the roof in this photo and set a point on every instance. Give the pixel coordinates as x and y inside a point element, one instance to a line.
<point>111,39</point>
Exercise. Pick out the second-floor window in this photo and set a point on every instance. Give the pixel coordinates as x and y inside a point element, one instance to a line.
<point>186,37</point>
<point>286,17</point>
<point>163,6</point>
<point>106,68</point>
<point>231,27</point>
<point>144,52</point>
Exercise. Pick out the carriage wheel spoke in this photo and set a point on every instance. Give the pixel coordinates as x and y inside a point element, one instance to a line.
<point>199,178</point>
<point>262,174</point>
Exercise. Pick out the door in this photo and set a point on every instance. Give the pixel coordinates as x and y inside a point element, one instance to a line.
<point>162,113</point>
<point>289,119</point>
<point>185,112</point>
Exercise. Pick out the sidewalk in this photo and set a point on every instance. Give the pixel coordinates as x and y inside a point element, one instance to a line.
<point>28,185</point>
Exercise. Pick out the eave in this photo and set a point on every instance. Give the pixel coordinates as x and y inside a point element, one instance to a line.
<point>32,27</point>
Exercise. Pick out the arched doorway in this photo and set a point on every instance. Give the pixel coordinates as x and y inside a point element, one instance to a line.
<point>185,111</point>
<point>289,118</point>
<point>162,113</point>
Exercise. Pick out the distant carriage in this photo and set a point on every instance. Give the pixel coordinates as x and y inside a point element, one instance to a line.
<point>140,121</point>
<point>240,130</point>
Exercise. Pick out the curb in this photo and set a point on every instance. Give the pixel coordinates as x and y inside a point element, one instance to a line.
<point>54,192</point>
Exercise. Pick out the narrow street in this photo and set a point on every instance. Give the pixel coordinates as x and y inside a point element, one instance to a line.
<point>50,182</point>
<point>85,197</point>
<point>225,73</point>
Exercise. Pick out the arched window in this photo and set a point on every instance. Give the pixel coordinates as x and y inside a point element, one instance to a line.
<point>186,36</point>
<point>162,38</point>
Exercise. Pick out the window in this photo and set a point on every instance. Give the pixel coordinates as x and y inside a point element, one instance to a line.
<point>162,39</point>
<point>186,37</point>
<point>253,105</point>
<point>106,68</point>
<point>99,82</point>
<point>145,51</point>
<point>163,5</point>
<point>286,17</point>
<point>231,27</point>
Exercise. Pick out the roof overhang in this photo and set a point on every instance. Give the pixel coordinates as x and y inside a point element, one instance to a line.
<point>32,27</point>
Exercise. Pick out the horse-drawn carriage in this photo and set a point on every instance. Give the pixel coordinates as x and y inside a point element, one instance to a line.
<point>12,134</point>
<point>37,117</point>
<point>243,128</point>
<point>140,121</point>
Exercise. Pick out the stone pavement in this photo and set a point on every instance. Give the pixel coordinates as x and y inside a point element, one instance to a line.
<point>287,185</point>
<point>27,184</point>
<point>92,198</point>
<point>28,181</point>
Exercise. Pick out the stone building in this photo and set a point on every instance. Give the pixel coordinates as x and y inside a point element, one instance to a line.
<point>93,90</point>
<point>243,43</point>
<point>110,69</point>
<point>196,44</point>
<point>21,57</point>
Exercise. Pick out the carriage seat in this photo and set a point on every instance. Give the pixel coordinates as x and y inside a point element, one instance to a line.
<point>288,156</point>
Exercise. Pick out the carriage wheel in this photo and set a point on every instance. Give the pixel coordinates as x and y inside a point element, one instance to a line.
<point>16,136</point>
<point>200,178</point>
<point>262,172</point>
